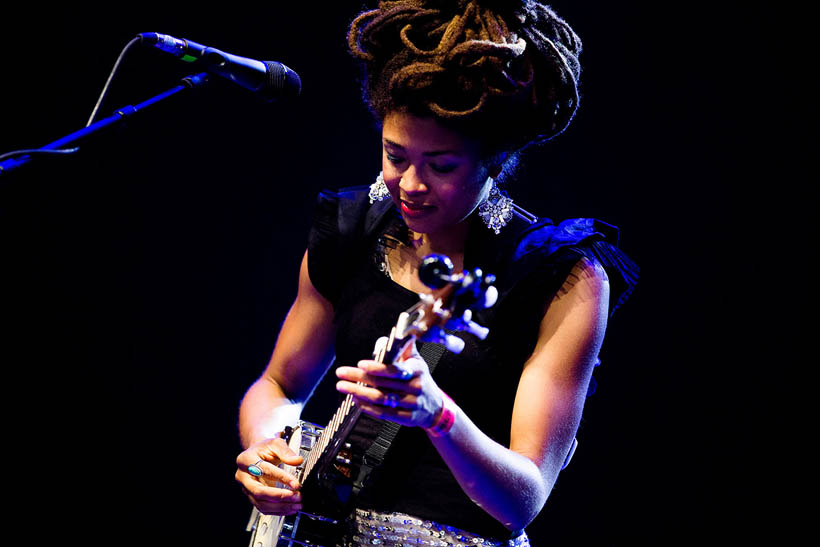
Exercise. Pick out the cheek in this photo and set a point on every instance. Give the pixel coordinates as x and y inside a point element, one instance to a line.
<point>471,183</point>
<point>391,175</point>
<point>467,195</point>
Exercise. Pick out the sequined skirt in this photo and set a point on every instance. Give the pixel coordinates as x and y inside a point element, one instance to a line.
<point>399,530</point>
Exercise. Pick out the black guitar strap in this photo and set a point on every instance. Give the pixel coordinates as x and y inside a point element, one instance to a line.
<point>375,455</point>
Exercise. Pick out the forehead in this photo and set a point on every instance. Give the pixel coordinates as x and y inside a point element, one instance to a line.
<point>425,135</point>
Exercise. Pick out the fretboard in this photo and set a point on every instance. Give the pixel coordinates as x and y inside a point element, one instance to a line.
<point>329,434</point>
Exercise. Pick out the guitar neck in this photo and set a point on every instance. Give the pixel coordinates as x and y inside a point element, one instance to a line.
<point>339,460</point>
<point>342,420</point>
<point>347,413</point>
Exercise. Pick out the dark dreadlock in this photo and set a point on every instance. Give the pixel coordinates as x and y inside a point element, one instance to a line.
<point>505,68</point>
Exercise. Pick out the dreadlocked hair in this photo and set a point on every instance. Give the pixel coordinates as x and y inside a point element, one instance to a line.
<point>506,68</point>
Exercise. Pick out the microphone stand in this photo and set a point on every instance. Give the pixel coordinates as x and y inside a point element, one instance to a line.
<point>120,115</point>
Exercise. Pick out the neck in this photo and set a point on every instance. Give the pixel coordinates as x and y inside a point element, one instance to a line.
<point>450,242</point>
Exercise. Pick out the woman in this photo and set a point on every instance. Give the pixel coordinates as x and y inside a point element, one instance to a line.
<point>459,88</point>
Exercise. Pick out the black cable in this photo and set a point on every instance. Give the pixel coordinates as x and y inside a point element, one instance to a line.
<point>37,151</point>
<point>111,77</point>
<point>90,120</point>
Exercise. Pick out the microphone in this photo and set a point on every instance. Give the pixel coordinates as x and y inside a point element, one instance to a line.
<point>267,78</point>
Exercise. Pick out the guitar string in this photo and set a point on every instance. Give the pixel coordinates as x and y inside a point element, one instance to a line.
<point>341,413</point>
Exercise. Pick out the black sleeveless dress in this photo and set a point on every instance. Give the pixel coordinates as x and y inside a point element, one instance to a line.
<point>530,261</point>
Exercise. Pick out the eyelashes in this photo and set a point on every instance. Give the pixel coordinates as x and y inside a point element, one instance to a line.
<point>443,169</point>
<point>438,168</point>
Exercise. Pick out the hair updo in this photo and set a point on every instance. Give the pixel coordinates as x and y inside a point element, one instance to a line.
<point>506,71</point>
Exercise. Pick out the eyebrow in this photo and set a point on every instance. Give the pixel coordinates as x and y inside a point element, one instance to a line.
<point>433,153</point>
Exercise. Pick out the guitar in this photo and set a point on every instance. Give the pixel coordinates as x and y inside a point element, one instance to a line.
<point>339,458</point>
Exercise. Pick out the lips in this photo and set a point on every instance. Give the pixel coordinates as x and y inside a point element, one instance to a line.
<point>415,210</point>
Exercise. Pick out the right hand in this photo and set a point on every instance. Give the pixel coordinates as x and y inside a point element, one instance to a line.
<point>276,492</point>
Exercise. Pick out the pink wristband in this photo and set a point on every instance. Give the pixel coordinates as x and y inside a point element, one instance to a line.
<point>445,419</point>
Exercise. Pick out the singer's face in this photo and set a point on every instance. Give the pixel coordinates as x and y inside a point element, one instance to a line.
<point>435,175</point>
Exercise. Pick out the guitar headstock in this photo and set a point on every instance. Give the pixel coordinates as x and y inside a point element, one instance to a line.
<point>449,305</point>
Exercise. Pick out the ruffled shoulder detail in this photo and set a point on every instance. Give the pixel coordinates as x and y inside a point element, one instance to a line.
<point>348,212</point>
<point>581,237</point>
<point>343,222</point>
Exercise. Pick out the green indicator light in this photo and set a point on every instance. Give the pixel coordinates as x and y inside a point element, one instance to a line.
<point>188,58</point>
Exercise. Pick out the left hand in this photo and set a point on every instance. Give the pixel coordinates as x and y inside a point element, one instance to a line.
<point>388,391</point>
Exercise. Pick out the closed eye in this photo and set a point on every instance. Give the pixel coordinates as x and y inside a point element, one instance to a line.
<point>393,159</point>
<point>443,168</point>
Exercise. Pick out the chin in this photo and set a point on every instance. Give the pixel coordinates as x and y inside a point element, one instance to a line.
<point>416,226</point>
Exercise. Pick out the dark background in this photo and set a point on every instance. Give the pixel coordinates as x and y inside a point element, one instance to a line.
<point>145,278</point>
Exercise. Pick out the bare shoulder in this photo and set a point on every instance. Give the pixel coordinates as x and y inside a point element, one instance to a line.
<point>305,343</point>
<point>587,280</point>
<point>554,380</point>
<point>575,320</point>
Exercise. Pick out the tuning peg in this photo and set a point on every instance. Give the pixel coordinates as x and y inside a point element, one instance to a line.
<point>477,330</point>
<point>490,296</point>
<point>453,343</point>
<point>466,324</point>
<point>438,336</point>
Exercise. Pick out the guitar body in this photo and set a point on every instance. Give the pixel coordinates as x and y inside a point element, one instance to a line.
<point>334,469</point>
<point>286,531</point>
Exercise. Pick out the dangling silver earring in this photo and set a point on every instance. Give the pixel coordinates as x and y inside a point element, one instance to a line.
<point>497,210</point>
<point>378,190</point>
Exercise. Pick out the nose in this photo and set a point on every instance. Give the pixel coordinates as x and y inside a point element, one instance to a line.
<point>411,181</point>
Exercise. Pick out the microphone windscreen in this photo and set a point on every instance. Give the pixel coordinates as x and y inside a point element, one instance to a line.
<point>282,82</point>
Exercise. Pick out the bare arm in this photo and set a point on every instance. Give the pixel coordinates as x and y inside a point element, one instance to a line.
<point>512,483</point>
<point>300,358</point>
<point>547,409</point>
